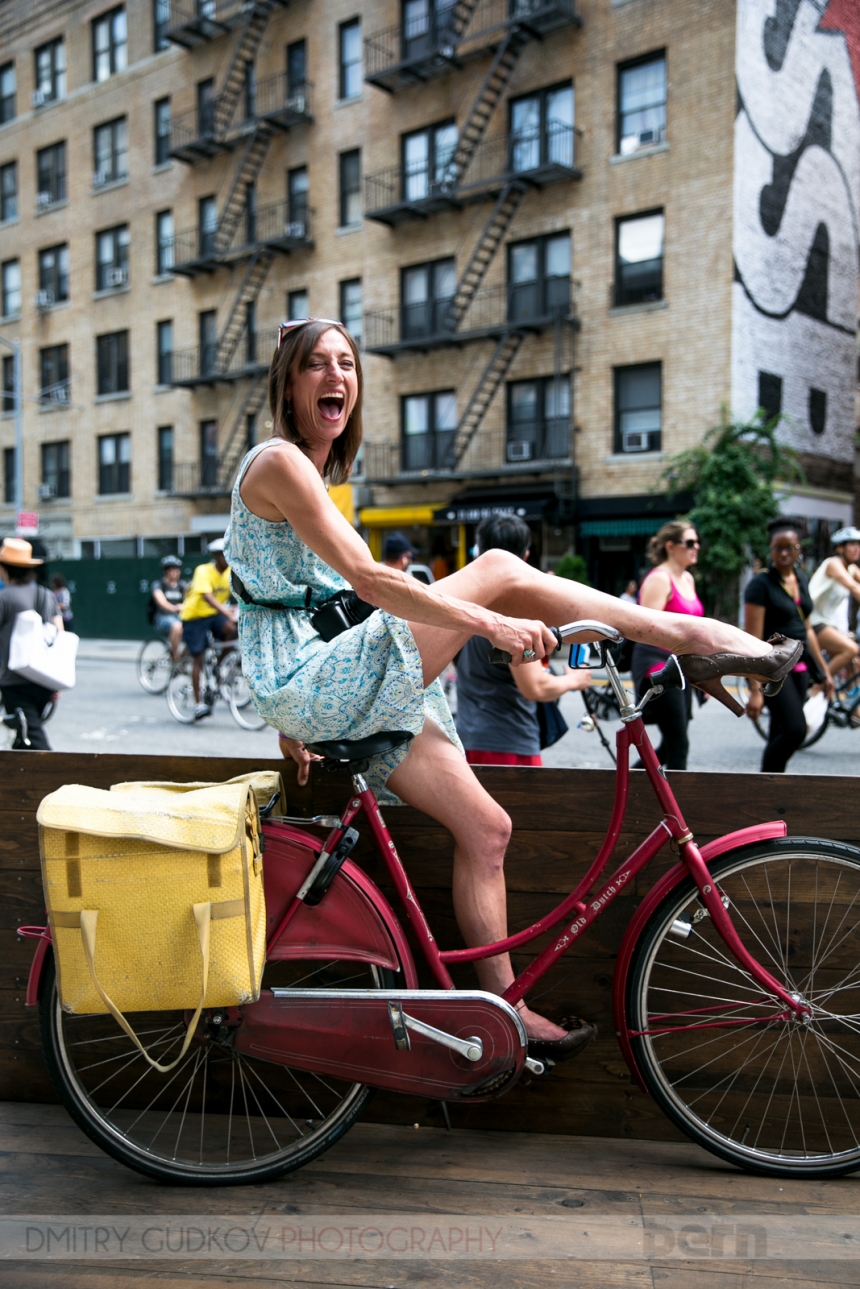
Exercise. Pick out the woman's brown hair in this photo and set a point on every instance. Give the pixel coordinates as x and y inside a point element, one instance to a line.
<point>671,532</point>
<point>294,355</point>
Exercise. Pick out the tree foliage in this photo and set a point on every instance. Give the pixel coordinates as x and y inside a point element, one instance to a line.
<point>573,567</point>
<point>732,475</point>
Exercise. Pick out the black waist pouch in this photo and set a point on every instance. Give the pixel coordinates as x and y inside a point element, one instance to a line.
<point>341,612</point>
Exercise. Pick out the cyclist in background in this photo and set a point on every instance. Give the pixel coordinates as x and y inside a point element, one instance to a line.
<point>165,602</point>
<point>830,587</point>
<point>206,609</point>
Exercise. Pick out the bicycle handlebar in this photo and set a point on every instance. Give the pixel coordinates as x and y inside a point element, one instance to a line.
<point>589,625</point>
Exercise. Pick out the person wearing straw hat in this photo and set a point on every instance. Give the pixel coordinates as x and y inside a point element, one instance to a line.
<point>23,699</point>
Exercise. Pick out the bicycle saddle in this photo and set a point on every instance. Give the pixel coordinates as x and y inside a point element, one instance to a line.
<point>362,748</point>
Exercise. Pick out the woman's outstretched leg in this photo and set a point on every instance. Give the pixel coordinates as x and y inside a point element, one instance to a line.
<point>435,778</point>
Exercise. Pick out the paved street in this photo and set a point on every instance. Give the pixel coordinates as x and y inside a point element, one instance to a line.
<point>109,711</point>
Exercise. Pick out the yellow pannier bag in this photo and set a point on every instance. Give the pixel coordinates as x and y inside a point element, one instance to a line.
<point>155,898</point>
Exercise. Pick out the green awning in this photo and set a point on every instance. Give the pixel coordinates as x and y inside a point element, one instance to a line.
<point>620,527</point>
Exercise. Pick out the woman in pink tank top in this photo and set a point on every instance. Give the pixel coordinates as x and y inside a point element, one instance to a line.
<point>673,550</point>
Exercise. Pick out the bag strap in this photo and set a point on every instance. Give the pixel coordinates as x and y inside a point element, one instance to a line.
<point>202,919</point>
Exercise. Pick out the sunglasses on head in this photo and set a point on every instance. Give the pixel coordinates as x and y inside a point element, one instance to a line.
<point>286,327</point>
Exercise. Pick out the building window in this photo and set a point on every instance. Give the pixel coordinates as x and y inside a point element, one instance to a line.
<point>50,72</point>
<point>8,384</point>
<point>54,388</point>
<point>539,278</point>
<point>638,408</point>
<point>770,394</point>
<point>7,93</point>
<point>641,103</point>
<point>207,214</point>
<point>10,288</point>
<point>112,258</point>
<point>250,214</point>
<point>350,59</point>
<point>426,292</point>
<point>9,191</point>
<point>164,351</point>
<point>639,259</point>
<point>110,44</point>
<point>297,70</point>
<point>53,275</point>
<point>298,305</point>
<point>297,201</point>
<point>350,188</point>
<point>51,175</point>
<point>56,472</point>
<point>429,423</point>
<point>350,307</point>
<point>165,458</point>
<point>538,426</point>
<point>208,453</point>
<point>110,152</point>
<point>429,24</point>
<point>112,363</point>
<point>161,24</point>
<point>542,129</point>
<point>426,157</point>
<point>250,332</point>
<point>163,127</point>
<point>250,88</point>
<point>206,107</point>
<point>9,476</point>
<point>114,464</point>
<point>163,242</point>
<point>207,323</point>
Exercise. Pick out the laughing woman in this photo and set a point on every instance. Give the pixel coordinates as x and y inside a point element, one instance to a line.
<point>293,551</point>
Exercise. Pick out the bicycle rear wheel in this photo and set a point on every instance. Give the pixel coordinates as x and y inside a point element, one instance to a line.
<point>154,665</point>
<point>180,694</point>
<point>241,706</point>
<point>771,1096</point>
<point>220,1118</point>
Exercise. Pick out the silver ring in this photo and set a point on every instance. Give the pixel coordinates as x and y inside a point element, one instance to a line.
<point>528,654</point>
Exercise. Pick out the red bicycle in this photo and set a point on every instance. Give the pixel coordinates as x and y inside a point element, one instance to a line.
<point>736,997</point>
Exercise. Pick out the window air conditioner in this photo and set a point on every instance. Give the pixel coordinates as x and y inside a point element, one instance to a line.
<point>44,199</point>
<point>520,450</point>
<point>40,97</point>
<point>635,441</point>
<point>44,299</point>
<point>117,277</point>
<point>60,395</point>
<point>46,491</point>
<point>295,229</point>
<point>100,178</point>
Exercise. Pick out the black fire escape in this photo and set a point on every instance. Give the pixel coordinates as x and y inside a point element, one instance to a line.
<point>501,170</point>
<point>240,117</point>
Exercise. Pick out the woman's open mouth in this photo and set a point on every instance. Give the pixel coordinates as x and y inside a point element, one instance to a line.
<point>331,406</point>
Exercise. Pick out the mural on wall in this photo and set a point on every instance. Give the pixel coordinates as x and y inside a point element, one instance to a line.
<point>796,229</point>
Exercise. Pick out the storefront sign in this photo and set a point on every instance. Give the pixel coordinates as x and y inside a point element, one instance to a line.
<point>27,524</point>
<point>474,513</point>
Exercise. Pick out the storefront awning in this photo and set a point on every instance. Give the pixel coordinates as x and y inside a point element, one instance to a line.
<point>395,516</point>
<point>620,527</point>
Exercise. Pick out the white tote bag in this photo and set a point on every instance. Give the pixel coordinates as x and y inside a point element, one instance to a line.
<point>41,653</point>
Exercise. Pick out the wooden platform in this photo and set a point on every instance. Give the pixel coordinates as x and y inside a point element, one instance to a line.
<point>49,1168</point>
<point>559,818</point>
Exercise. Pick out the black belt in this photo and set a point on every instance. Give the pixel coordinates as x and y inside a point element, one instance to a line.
<point>339,613</point>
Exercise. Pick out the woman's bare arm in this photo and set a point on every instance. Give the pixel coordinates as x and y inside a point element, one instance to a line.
<point>837,570</point>
<point>656,590</point>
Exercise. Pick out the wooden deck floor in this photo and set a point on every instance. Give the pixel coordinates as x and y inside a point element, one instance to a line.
<point>47,1167</point>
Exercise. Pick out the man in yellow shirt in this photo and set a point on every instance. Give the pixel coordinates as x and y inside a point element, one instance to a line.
<point>205,609</point>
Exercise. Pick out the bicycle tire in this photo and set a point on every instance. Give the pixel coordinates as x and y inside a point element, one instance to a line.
<point>154,665</point>
<point>180,695</point>
<point>762,728</point>
<point>187,1128</point>
<point>780,1098</point>
<point>242,709</point>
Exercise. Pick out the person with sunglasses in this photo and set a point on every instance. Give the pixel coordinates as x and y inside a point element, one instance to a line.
<point>669,587</point>
<point>778,599</point>
<point>292,552</point>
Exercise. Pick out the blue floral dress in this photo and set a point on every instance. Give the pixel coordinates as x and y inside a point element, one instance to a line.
<point>365,680</point>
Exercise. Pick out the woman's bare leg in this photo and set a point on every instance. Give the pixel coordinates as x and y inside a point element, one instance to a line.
<point>435,778</point>
<point>500,581</point>
<point>842,649</point>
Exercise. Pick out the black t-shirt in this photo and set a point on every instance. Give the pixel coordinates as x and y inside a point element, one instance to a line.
<point>492,714</point>
<point>780,611</point>
<point>173,595</point>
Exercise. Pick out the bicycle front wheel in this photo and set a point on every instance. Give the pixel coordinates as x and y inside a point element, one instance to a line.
<point>773,1096</point>
<point>154,665</point>
<point>242,708</point>
<point>220,1118</point>
<point>180,694</point>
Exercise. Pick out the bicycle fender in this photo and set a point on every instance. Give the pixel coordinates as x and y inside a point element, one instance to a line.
<point>720,846</point>
<point>43,944</point>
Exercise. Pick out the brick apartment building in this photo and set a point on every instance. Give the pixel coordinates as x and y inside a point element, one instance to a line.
<point>566,232</point>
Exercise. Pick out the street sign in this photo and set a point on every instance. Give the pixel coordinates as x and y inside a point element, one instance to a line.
<point>28,523</point>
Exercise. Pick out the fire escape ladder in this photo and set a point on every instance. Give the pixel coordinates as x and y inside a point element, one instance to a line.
<point>459,16</point>
<point>235,445</point>
<point>497,225</point>
<point>485,390</point>
<point>495,84</point>
<point>244,53</point>
<point>250,164</point>
<point>249,289</point>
